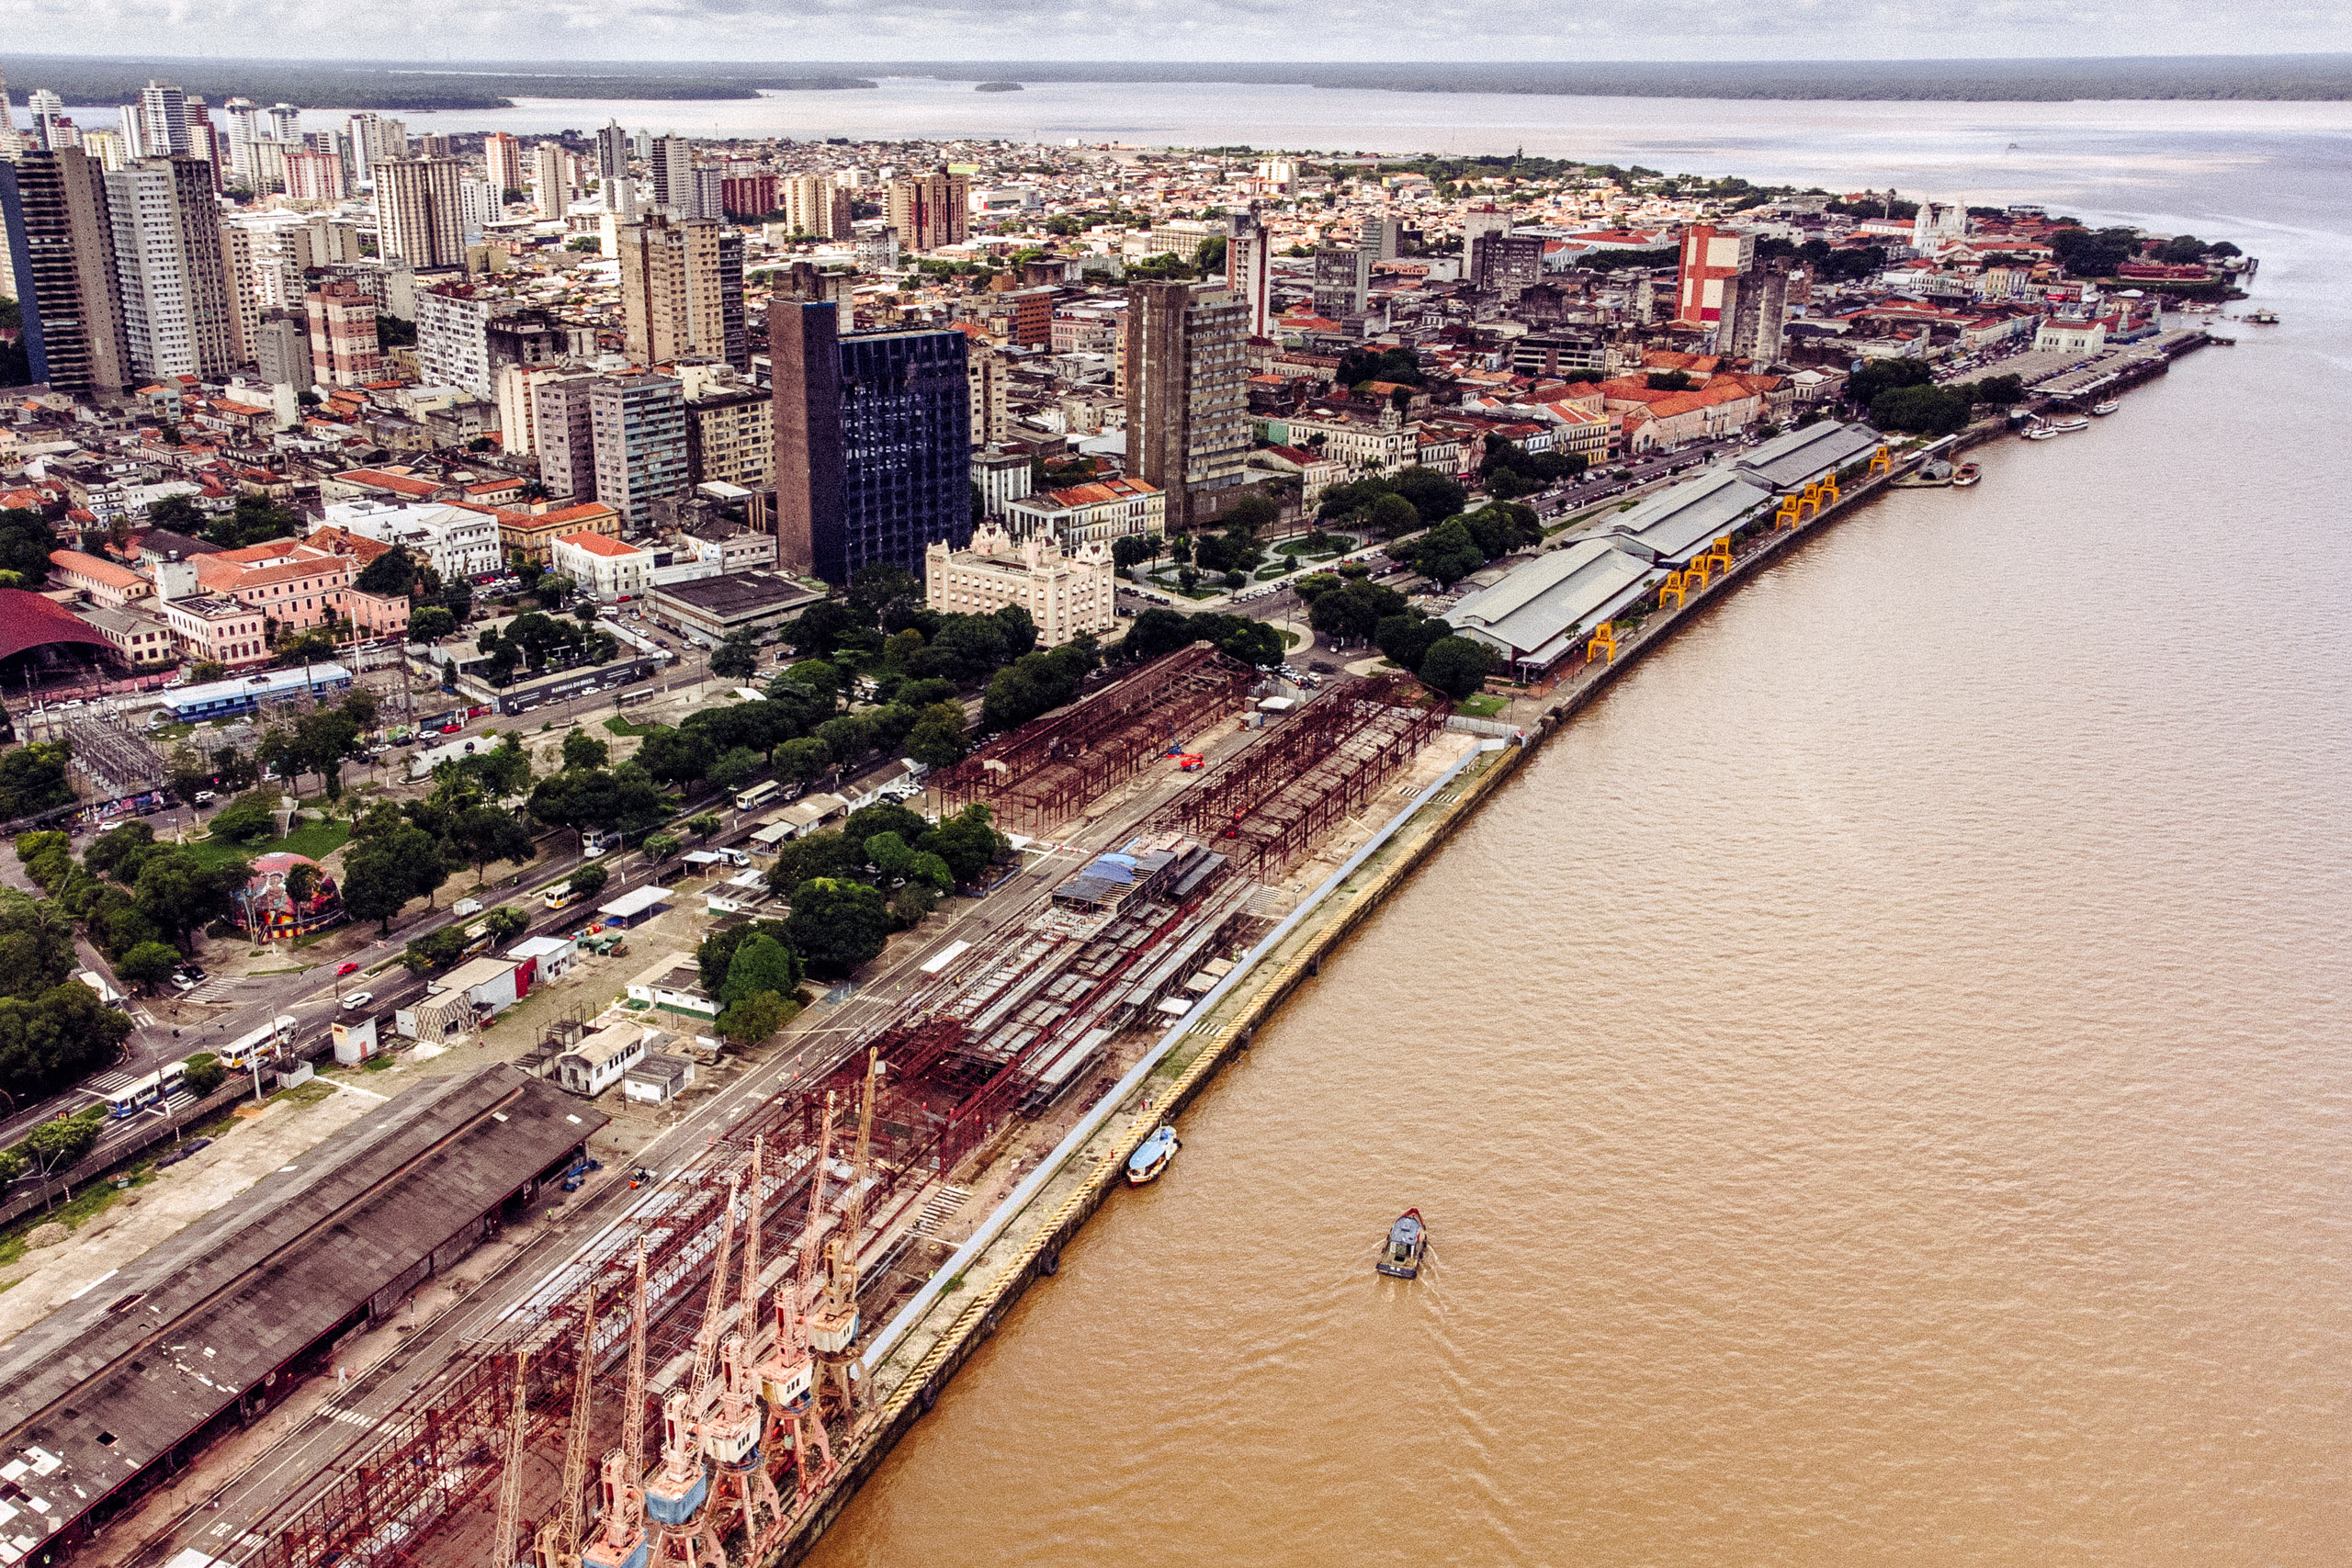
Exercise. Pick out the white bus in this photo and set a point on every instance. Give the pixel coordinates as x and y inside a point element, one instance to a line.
<point>238,1055</point>
<point>148,1093</point>
<point>759,795</point>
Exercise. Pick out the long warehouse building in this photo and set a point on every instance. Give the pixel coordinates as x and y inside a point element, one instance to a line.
<point>116,1391</point>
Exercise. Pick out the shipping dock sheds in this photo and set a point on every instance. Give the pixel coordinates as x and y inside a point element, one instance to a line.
<point>113,1392</point>
<point>1795,459</point>
<point>1675,526</point>
<point>1542,610</point>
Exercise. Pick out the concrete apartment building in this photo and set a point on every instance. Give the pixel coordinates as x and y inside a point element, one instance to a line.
<point>731,427</point>
<point>171,275</point>
<point>419,215</point>
<point>501,156</point>
<point>814,205</point>
<point>930,210</point>
<point>550,179</point>
<point>562,435</point>
<point>1066,595</point>
<point>637,428</point>
<point>53,216</point>
<point>344,350</point>
<point>682,290</point>
<point>1188,411</point>
<point>1342,282</point>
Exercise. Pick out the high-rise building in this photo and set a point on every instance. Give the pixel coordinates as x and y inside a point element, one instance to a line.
<point>641,144</point>
<point>1378,237</point>
<point>48,111</point>
<point>931,210</point>
<point>285,124</point>
<point>238,269</point>
<point>1509,264</point>
<point>873,442</point>
<point>453,338</point>
<point>990,378</point>
<point>1710,256</point>
<point>503,162</point>
<point>710,191</point>
<point>10,139</point>
<point>814,205</point>
<point>478,207</point>
<point>343,348</point>
<point>365,131</point>
<point>672,165</point>
<point>1755,313</point>
<point>639,426</point>
<point>419,218</point>
<point>1249,268</point>
<point>170,271</point>
<point>562,435</point>
<point>313,176</point>
<point>1188,411</point>
<point>163,120</point>
<point>552,180</point>
<point>53,219</point>
<point>245,128</point>
<point>682,290</point>
<point>751,196</point>
<point>282,351</point>
<point>612,151</point>
<point>1342,281</point>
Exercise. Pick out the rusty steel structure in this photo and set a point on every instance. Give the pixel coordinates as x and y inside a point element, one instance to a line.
<point>1045,772</point>
<point>1266,804</point>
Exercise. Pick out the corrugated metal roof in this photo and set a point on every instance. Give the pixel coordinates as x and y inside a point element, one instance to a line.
<point>1795,458</point>
<point>1675,525</point>
<point>111,1382</point>
<point>1534,612</point>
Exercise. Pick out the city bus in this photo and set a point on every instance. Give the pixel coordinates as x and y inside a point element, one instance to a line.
<point>240,1054</point>
<point>148,1093</point>
<point>759,795</point>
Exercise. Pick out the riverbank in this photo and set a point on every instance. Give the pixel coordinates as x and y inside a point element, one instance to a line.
<point>916,1355</point>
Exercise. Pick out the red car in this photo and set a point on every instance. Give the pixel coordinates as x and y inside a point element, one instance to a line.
<point>451,728</point>
<point>345,969</point>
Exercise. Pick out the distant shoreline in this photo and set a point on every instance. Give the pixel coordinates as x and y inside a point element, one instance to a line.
<point>395,85</point>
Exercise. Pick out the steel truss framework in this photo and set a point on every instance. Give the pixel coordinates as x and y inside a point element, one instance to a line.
<point>1043,772</point>
<point>1267,803</point>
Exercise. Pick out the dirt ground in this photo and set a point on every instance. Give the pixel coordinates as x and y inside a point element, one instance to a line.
<point>168,1199</point>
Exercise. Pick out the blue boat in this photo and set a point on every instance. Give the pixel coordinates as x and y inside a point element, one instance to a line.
<point>1408,1239</point>
<point>1152,1157</point>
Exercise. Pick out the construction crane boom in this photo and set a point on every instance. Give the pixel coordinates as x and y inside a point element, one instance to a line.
<point>712,1317</point>
<point>633,1426</point>
<point>812,1232</point>
<point>854,1217</point>
<point>510,1480</point>
<point>561,1537</point>
<point>750,1305</point>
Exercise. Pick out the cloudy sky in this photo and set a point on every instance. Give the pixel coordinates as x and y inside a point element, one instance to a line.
<point>459,33</point>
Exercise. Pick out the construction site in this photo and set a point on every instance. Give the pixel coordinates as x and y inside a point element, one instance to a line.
<point>685,1386</point>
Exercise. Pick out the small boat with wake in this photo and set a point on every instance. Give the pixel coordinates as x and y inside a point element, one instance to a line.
<point>1409,1242</point>
<point>1151,1158</point>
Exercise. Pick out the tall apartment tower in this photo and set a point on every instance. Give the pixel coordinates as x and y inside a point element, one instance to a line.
<point>1342,281</point>
<point>170,275</point>
<point>991,378</point>
<point>501,157</point>
<point>873,442</point>
<point>611,151</point>
<point>931,210</point>
<point>1710,257</point>
<point>563,438</point>
<point>163,120</point>
<point>1249,268</point>
<point>1378,237</point>
<point>343,348</point>
<point>551,178</point>
<point>672,165</point>
<point>638,427</point>
<point>814,205</point>
<point>54,218</point>
<point>1755,311</point>
<point>420,218</point>
<point>10,139</point>
<point>682,290</point>
<point>1188,413</point>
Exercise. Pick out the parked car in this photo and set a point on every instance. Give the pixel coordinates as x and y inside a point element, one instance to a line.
<point>205,797</point>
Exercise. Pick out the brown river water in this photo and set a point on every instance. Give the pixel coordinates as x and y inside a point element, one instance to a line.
<point>1877,1084</point>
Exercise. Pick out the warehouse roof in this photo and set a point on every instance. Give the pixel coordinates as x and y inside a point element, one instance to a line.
<point>109,1383</point>
<point>1679,523</point>
<point>1536,612</point>
<point>1795,458</point>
